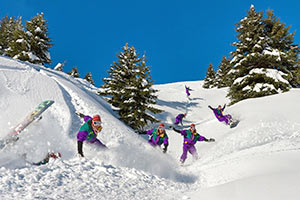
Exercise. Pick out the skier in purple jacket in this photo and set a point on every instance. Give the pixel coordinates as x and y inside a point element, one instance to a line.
<point>158,137</point>
<point>219,114</point>
<point>191,137</point>
<point>187,91</point>
<point>179,119</point>
<point>88,132</point>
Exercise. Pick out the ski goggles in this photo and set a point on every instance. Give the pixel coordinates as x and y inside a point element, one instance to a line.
<point>161,128</point>
<point>193,128</point>
<point>97,123</point>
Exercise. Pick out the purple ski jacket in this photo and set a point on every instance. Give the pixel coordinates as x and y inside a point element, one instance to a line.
<point>218,113</point>
<point>86,131</point>
<point>180,117</point>
<point>157,138</point>
<point>190,138</point>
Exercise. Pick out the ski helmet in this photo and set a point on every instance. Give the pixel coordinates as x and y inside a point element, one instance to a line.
<point>193,126</point>
<point>96,118</point>
<point>161,126</point>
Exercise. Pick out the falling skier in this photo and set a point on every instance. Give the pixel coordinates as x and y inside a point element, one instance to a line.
<point>179,119</point>
<point>219,115</point>
<point>191,137</point>
<point>49,156</point>
<point>158,137</point>
<point>88,132</point>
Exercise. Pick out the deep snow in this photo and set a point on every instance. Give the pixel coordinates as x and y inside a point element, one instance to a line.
<point>258,159</point>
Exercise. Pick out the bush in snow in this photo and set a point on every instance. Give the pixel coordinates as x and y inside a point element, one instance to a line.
<point>265,59</point>
<point>129,89</point>
<point>74,72</point>
<point>89,78</point>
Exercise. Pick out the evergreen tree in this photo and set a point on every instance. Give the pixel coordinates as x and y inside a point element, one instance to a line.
<point>8,27</point>
<point>19,47</point>
<point>89,78</point>
<point>129,89</point>
<point>210,79</point>
<point>37,31</point>
<point>263,58</point>
<point>74,72</point>
<point>223,77</point>
<point>297,74</point>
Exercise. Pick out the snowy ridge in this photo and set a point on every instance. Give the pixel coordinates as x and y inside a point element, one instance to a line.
<point>262,150</point>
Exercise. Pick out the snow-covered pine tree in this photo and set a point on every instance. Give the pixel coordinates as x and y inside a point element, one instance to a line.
<point>37,30</point>
<point>263,57</point>
<point>210,79</point>
<point>297,72</point>
<point>19,47</point>
<point>8,27</point>
<point>129,89</point>
<point>74,72</point>
<point>223,78</point>
<point>286,53</point>
<point>89,78</point>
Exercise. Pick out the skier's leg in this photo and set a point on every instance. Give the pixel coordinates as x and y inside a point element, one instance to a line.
<point>99,144</point>
<point>151,143</point>
<point>184,153</point>
<point>193,151</point>
<point>223,119</point>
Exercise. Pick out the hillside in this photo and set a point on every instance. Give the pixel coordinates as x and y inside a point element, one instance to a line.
<point>262,150</point>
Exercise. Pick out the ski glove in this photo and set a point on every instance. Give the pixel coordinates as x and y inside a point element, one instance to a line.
<point>165,149</point>
<point>143,133</point>
<point>80,114</point>
<point>79,146</point>
<point>211,140</point>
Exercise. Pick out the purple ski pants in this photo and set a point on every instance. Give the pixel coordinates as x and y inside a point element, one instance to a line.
<point>188,148</point>
<point>225,118</point>
<point>99,143</point>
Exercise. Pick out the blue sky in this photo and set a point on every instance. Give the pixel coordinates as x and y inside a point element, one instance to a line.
<point>180,38</point>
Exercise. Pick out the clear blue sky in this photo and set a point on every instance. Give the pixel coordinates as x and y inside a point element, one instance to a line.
<point>180,38</point>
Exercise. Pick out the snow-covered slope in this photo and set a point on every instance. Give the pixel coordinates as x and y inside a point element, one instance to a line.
<point>262,150</point>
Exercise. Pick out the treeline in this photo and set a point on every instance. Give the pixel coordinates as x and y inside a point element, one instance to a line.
<point>265,61</point>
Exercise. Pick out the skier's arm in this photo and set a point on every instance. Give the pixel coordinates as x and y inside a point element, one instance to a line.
<point>149,132</point>
<point>224,107</point>
<point>174,129</point>
<point>202,138</point>
<point>143,133</point>
<point>210,107</point>
<point>79,147</point>
<point>81,136</point>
